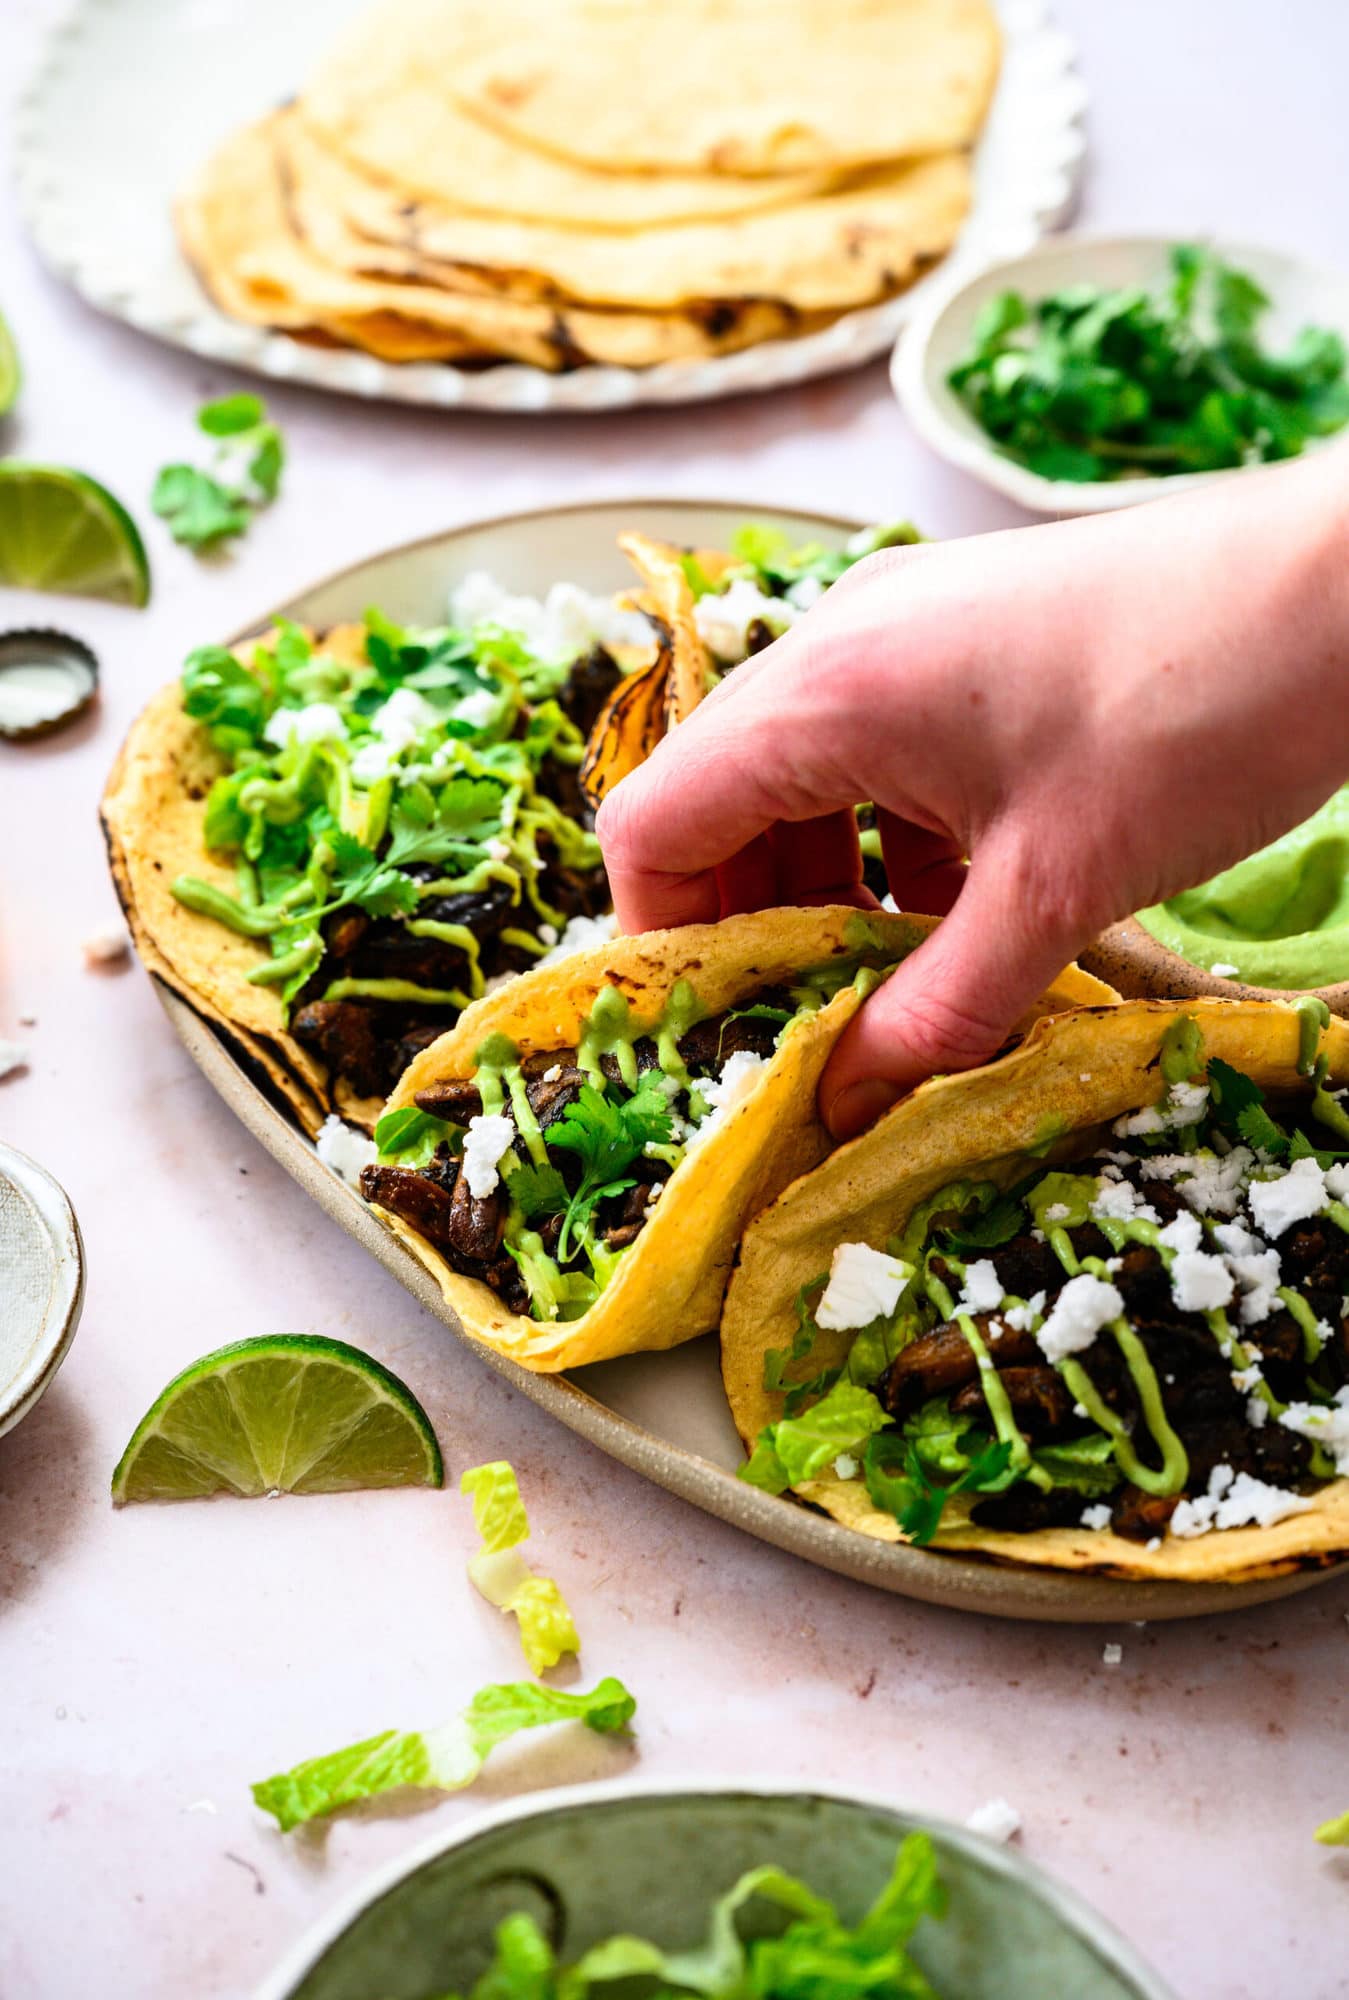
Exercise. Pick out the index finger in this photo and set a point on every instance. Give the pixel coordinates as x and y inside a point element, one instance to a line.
<point>708,791</point>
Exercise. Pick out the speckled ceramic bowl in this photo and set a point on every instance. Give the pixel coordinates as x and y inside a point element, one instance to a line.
<point>588,1863</point>
<point>1141,968</point>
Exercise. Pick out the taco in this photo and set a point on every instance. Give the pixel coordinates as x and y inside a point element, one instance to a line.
<point>575,1161</point>
<point>1087,1308</point>
<point>332,844</point>
<point>712,609</point>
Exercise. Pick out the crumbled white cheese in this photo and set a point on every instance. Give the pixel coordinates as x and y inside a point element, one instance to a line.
<point>345,1150</point>
<point>1112,1654</point>
<point>1119,1201</point>
<point>982,1290</point>
<point>1326,1424</point>
<point>547,933</point>
<point>552,1073</point>
<point>1097,1516</point>
<point>845,1465</point>
<point>1234,1500</point>
<point>1210,1185</point>
<point>1292,1197</point>
<point>657,1190</point>
<point>478,708</point>
<point>489,1136</point>
<point>1058,1211</point>
<point>319,722</point>
<point>1183,1104</point>
<point>1082,1308</point>
<point>402,719</point>
<point>740,1073</point>
<point>864,1284</point>
<point>1022,1318</point>
<point>724,617</point>
<point>568,622</point>
<point>1257,1412</point>
<point>1337,1181</point>
<point>1246,1378</point>
<point>1254,1266</point>
<point>1222,970</point>
<point>996,1820</point>
<point>13,1055</point>
<point>105,947</point>
<point>497,981</point>
<point>1184,1232</point>
<point>806,592</point>
<point>1200,1282</point>
<point>581,934</point>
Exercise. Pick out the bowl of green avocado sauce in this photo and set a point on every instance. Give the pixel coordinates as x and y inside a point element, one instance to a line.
<point>1276,922</point>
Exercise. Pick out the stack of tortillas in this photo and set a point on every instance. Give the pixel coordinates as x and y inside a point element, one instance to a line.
<point>623,181</point>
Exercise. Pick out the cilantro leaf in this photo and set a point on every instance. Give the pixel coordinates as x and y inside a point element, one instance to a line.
<point>230,415</point>
<point>901,1485</point>
<point>538,1191</point>
<point>199,511</point>
<point>1238,1108</point>
<point>205,508</point>
<point>221,692</point>
<point>411,1136</point>
<point>608,1134</point>
<point>427,826</point>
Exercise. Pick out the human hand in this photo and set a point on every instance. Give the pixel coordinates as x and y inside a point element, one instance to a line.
<point>1097,713</point>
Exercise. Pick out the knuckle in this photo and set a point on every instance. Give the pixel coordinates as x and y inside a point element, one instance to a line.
<point>946,1030</point>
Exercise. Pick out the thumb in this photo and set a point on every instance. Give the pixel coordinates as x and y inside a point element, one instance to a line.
<point>953,1002</point>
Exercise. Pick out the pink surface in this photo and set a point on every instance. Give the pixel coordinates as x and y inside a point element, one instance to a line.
<point>153,1662</point>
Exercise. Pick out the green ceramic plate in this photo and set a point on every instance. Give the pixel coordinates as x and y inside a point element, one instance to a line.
<point>582,1861</point>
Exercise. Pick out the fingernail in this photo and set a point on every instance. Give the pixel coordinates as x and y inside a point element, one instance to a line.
<point>860,1105</point>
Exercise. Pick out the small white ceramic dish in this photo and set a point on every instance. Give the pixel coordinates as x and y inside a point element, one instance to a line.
<point>129,95</point>
<point>41,1282</point>
<point>938,337</point>
<point>590,1861</point>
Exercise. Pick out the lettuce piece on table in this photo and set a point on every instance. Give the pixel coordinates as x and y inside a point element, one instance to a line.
<point>443,1759</point>
<point>502,1575</point>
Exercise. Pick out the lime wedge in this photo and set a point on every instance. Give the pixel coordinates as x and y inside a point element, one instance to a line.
<point>11,375</point>
<point>289,1413</point>
<point>62,531</point>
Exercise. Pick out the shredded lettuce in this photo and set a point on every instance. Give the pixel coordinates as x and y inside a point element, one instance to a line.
<point>816,1957</point>
<point>502,1575</point>
<point>444,1759</point>
<point>802,1447</point>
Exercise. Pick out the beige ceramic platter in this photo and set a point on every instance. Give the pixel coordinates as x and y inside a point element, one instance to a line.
<point>664,1415</point>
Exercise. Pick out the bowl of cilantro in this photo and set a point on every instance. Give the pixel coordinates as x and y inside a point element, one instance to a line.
<point>1096,372</point>
<point>715,1892</point>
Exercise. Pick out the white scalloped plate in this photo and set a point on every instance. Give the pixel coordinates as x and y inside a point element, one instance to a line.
<point>130,94</point>
<point>664,1415</point>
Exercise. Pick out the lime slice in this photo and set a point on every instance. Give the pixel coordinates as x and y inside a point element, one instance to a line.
<point>11,375</point>
<point>62,531</point>
<point>290,1413</point>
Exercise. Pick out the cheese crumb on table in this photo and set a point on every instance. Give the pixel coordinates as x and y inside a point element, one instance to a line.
<point>996,1819</point>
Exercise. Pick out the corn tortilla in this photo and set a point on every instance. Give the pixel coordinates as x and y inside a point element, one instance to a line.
<point>1075,1073</point>
<point>668,1288</point>
<point>732,86</point>
<point>829,253</point>
<point>238,235</point>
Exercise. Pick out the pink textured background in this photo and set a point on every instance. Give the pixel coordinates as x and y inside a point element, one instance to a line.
<point>159,1658</point>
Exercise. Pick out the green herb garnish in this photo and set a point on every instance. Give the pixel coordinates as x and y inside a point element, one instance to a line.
<point>203,509</point>
<point>1093,384</point>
